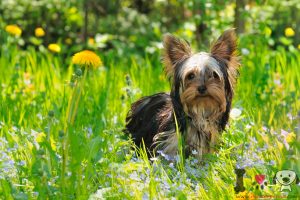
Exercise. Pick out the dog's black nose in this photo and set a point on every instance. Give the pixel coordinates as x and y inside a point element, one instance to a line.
<point>202,89</point>
<point>286,179</point>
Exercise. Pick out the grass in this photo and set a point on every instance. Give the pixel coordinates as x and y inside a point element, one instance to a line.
<point>101,163</point>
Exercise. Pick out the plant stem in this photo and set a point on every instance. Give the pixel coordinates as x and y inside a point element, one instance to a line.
<point>70,117</point>
<point>79,89</point>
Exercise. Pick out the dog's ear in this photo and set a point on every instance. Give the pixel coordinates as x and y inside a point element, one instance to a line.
<point>175,51</point>
<point>225,49</point>
<point>226,45</point>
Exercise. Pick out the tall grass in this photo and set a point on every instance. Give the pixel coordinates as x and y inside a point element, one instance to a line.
<point>101,163</point>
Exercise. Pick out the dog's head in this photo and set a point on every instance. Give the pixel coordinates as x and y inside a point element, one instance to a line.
<point>203,82</point>
<point>285,177</point>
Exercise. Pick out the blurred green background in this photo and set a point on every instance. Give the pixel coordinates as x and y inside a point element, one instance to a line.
<point>137,26</point>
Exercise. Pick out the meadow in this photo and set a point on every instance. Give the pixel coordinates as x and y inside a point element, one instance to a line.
<point>62,113</point>
<point>100,162</point>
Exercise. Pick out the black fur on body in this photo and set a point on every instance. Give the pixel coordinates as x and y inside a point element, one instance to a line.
<point>152,119</point>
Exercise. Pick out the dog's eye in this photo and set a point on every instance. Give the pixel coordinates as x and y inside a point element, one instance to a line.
<point>191,76</point>
<point>289,175</point>
<point>216,76</point>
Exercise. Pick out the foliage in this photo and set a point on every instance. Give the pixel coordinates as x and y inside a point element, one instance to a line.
<point>45,156</point>
<point>34,101</point>
<point>119,24</point>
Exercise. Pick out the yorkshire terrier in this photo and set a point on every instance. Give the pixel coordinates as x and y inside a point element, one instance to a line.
<point>199,103</point>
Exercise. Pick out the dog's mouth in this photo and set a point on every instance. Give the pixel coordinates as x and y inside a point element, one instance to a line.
<point>202,96</point>
<point>209,101</point>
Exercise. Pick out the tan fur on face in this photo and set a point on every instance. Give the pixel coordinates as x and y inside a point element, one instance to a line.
<point>217,91</point>
<point>213,101</point>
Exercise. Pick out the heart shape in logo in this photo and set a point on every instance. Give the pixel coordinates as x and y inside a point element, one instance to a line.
<point>260,178</point>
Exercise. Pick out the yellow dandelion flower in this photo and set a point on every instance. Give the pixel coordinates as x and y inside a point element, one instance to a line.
<point>13,30</point>
<point>298,46</point>
<point>53,144</point>
<point>91,41</point>
<point>241,195</point>
<point>30,145</point>
<point>291,137</point>
<point>245,195</point>
<point>280,145</point>
<point>268,31</point>
<point>68,41</point>
<point>29,88</point>
<point>251,195</point>
<point>88,58</point>
<point>289,32</point>
<point>39,32</point>
<point>40,137</point>
<point>72,10</point>
<point>54,48</point>
<point>26,76</point>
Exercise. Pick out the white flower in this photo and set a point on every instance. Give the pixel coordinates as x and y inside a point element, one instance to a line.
<point>248,126</point>
<point>134,176</point>
<point>100,194</point>
<point>39,116</point>
<point>290,116</point>
<point>245,51</point>
<point>150,50</point>
<point>158,45</point>
<point>153,159</point>
<point>189,26</point>
<point>277,82</point>
<point>235,113</point>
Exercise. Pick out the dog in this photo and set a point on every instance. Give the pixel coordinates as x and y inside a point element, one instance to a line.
<point>285,178</point>
<point>198,106</point>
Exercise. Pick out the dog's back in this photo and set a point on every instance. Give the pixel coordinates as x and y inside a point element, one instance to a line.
<point>142,120</point>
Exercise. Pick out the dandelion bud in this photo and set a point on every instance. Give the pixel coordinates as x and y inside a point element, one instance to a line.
<point>61,133</point>
<point>73,78</point>
<point>51,113</point>
<point>128,80</point>
<point>122,97</point>
<point>128,91</point>
<point>78,72</point>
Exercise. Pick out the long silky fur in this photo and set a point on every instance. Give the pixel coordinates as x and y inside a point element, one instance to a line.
<point>151,119</point>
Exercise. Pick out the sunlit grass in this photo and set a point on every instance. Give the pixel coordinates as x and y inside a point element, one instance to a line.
<point>36,87</point>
